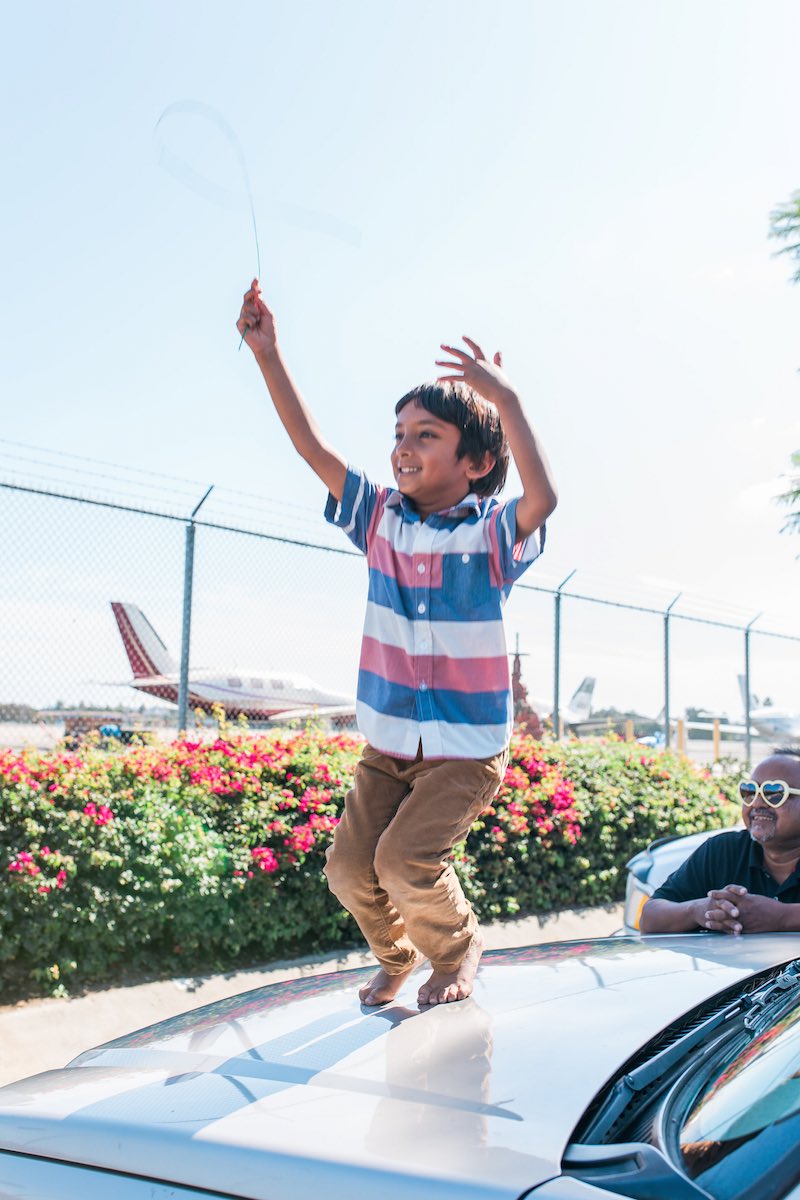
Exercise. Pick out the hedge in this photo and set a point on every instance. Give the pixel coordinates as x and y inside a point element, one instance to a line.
<point>153,861</point>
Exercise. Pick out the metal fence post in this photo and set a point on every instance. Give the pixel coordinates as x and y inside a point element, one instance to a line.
<point>666,669</point>
<point>746,696</point>
<point>557,657</point>
<point>188,575</point>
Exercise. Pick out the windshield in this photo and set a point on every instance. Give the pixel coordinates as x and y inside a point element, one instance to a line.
<point>746,1119</point>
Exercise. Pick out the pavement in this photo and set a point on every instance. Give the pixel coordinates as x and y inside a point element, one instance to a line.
<point>41,1035</point>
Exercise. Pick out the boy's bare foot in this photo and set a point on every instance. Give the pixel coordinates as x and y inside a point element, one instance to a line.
<point>444,986</point>
<point>383,987</point>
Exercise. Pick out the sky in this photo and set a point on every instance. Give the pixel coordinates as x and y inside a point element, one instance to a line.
<point>584,184</point>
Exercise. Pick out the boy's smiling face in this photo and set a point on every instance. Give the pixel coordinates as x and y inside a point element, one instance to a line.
<point>425,462</point>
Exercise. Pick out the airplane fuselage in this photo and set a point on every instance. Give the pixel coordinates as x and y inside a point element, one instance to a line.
<point>774,723</point>
<point>250,695</point>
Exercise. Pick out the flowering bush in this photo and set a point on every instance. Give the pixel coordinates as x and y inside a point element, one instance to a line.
<point>625,797</point>
<point>511,860</point>
<point>157,860</point>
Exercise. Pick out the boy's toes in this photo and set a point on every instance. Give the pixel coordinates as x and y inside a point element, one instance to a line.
<point>443,987</point>
<point>383,988</point>
<point>373,999</point>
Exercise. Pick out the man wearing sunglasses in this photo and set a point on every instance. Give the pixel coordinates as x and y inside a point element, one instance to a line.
<point>743,881</point>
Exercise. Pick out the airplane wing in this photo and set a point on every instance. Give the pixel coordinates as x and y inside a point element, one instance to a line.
<point>724,727</point>
<point>317,710</point>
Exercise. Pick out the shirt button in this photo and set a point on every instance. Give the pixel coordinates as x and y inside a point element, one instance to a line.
<point>423,644</point>
<point>465,558</point>
<point>423,687</point>
<point>420,608</point>
<point>421,569</point>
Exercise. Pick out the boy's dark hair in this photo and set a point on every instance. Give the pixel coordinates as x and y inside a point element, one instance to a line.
<point>476,418</point>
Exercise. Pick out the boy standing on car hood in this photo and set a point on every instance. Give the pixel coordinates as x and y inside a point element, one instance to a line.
<point>434,694</point>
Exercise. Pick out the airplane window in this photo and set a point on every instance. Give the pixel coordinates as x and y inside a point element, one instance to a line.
<point>277,683</point>
<point>257,683</point>
<point>234,682</point>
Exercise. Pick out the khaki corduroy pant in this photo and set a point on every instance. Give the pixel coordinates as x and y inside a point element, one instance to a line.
<point>389,861</point>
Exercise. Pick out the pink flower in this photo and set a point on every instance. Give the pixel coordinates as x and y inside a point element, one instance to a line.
<point>100,814</point>
<point>265,859</point>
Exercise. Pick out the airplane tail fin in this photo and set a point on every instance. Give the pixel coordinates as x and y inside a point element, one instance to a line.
<point>743,692</point>
<point>581,702</point>
<point>146,652</point>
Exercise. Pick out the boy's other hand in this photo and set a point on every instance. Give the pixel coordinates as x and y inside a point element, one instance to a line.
<point>487,378</point>
<point>256,323</point>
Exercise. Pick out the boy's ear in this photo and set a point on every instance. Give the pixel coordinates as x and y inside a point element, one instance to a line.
<point>478,467</point>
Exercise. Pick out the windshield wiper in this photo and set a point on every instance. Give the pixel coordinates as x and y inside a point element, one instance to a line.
<point>775,995</point>
<point>748,1013</point>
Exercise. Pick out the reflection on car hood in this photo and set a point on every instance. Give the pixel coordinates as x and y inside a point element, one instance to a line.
<point>295,1090</point>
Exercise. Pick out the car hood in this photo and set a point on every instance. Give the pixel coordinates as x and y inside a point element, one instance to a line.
<point>295,1089</point>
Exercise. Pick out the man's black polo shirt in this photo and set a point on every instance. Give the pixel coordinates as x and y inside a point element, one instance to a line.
<point>727,858</point>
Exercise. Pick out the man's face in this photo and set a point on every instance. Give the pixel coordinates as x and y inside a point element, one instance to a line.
<point>775,826</point>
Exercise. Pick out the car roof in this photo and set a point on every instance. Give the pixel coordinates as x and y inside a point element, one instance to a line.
<point>296,1090</point>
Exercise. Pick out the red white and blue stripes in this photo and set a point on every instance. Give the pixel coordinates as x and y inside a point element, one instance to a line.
<point>434,665</point>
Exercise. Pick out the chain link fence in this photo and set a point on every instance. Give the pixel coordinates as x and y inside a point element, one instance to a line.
<point>288,598</point>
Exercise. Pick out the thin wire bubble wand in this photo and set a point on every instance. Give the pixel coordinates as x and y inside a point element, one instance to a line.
<point>183,172</point>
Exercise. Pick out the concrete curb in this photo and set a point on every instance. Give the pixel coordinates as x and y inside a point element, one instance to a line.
<point>40,1035</point>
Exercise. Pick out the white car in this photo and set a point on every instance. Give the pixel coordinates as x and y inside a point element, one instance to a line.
<point>660,1067</point>
<point>648,869</point>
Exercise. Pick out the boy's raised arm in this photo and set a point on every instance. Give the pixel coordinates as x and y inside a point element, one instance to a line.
<point>257,324</point>
<point>539,496</point>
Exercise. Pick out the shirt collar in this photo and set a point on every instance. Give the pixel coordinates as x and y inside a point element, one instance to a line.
<point>466,507</point>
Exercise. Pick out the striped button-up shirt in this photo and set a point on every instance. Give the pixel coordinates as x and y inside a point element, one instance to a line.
<point>434,666</point>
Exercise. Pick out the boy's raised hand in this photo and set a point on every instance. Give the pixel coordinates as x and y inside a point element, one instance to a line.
<point>474,369</point>
<point>256,323</point>
<point>538,497</point>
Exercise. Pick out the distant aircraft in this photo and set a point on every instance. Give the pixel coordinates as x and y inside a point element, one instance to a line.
<point>766,721</point>
<point>579,708</point>
<point>250,694</point>
<point>573,714</point>
<point>778,723</point>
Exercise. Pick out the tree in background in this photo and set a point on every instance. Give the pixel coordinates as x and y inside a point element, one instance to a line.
<point>791,497</point>
<point>784,224</point>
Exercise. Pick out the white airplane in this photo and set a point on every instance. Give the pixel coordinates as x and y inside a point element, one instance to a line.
<point>579,706</point>
<point>574,713</point>
<point>779,724</point>
<point>258,696</point>
<point>767,721</point>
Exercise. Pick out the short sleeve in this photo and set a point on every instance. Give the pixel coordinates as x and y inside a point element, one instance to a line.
<point>693,878</point>
<point>512,557</point>
<point>355,511</point>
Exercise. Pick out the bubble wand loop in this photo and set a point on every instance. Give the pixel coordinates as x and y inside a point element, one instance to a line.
<point>195,108</point>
